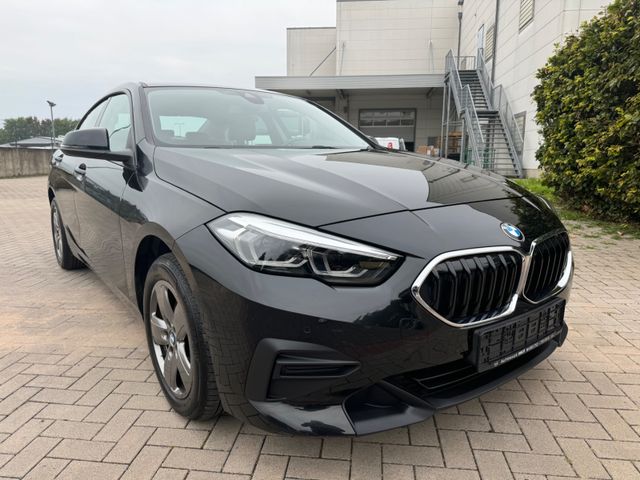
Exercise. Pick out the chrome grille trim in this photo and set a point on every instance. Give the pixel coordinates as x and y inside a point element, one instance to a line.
<point>524,274</point>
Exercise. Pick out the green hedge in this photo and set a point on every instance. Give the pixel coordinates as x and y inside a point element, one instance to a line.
<point>588,104</point>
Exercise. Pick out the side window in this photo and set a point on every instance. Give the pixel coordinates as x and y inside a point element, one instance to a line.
<point>91,119</point>
<point>117,120</point>
<point>292,122</point>
<point>296,127</point>
<point>263,137</point>
<point>179,126</point>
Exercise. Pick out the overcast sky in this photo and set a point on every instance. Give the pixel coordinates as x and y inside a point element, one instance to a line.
<point>73,51</point>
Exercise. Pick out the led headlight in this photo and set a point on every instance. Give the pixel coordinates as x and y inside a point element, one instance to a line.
<point>275,246</point>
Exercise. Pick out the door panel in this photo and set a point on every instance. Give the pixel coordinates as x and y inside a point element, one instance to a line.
<point>98,213</point>
<point>66,185</point>
<point>99,204</point>
<point>67,182</point>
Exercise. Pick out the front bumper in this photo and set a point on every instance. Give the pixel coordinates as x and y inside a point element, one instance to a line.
<point>296,355</point>
<point>398,400</point>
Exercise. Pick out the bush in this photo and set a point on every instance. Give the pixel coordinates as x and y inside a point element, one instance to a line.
<point>588,103</point>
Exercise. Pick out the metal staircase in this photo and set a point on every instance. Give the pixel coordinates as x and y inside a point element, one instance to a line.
<point>489,136</point>
<point>470,77</point>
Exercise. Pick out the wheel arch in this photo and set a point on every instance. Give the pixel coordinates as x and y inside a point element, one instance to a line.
<point>153,244</point>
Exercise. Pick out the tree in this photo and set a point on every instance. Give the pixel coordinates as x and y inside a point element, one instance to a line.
<point>63,126</point>
<point>20,128</point>
<point>588,110</point>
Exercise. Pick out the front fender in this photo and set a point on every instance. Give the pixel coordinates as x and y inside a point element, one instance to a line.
<point>152,207</point>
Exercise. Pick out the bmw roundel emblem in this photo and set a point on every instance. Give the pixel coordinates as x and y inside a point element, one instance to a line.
<point>512,231</point>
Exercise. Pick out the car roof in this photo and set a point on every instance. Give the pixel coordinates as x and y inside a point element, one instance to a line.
<point>135,85</point>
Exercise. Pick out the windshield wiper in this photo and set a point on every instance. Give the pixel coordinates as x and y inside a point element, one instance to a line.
<point>353,149</point>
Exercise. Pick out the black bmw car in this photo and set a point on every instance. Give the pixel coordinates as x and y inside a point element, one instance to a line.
<point>295,274</point>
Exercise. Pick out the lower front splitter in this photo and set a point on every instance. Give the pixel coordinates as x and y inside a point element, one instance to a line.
<point>397,401</point>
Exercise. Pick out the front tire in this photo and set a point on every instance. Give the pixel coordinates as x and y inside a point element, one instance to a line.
<point>178,341</point>
<point>65,258</point>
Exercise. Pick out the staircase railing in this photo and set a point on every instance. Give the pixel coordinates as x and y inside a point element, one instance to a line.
<point>501,103</point>
<point>497,100</point>
<point>463,100</point>
<point>465,63</point>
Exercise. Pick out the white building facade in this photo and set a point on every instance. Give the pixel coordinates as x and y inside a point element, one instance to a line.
<point>382,67</point>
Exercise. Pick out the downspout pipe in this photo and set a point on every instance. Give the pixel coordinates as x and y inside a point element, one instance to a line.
<point>495,43</point>
<point>460,4</point>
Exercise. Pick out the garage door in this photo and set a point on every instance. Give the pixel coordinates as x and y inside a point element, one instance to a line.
<point>399,123</point>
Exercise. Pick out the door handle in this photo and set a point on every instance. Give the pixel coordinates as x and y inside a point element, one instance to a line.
<point>81,170</point>
<point>56,159</point>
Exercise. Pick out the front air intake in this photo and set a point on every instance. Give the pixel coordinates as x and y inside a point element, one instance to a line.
<point>294,375</point>
<point>292,366</point>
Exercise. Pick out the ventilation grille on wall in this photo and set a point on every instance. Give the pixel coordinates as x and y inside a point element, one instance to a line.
<point>489,43</point>
<point>527,9</point>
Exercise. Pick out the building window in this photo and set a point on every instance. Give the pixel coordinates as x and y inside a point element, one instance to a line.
<point>527,8</point>
<point>387,118</point>
<point>489,43</point>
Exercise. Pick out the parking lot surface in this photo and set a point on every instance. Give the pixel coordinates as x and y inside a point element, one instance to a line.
<point>78,397</point>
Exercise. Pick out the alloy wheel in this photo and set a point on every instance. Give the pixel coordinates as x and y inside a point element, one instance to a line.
<point>170,337</point>
<point>57,232</point>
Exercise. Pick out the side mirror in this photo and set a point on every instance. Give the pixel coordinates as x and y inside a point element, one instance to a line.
<point>94,143</point>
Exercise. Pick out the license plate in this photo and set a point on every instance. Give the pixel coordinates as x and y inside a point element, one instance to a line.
<point>500,343</point>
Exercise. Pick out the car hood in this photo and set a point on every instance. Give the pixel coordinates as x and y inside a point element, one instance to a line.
<point>318,187</point>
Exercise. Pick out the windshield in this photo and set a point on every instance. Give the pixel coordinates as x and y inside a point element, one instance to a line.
<point>227,118</point>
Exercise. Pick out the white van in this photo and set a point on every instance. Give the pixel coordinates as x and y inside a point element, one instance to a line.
<point>392,143</point>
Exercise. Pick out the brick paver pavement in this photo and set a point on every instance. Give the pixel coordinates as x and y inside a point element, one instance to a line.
<point>78,398</point>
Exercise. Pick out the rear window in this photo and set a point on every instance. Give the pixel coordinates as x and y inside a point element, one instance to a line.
<point>178,126</point>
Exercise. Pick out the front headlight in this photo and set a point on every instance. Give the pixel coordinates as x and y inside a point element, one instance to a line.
<point>275,246</point>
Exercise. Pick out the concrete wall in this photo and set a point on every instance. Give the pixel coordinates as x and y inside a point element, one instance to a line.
<point>519,54</point>
<point>21,162</point>
<point>394,37</point>
<point>307,48</point>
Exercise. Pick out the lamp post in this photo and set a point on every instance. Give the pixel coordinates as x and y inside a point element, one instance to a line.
<point>53,128</point>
